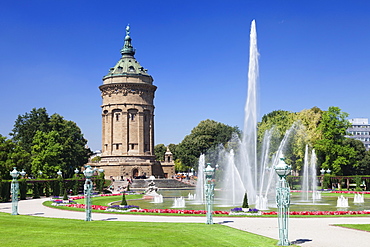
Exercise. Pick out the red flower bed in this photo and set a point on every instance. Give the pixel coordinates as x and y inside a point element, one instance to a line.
<point>350,192</point>
<point>96,207</point>
<point>177,211</point>
<point>320,213</point>
<point>172,211</point>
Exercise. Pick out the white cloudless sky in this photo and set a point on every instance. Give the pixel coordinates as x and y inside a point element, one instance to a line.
<point>53,54</point>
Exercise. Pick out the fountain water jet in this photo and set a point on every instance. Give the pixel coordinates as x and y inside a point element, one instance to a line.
<point>243,172</point>
<point>309,180</point>
<point>158,198</point>
<point>199,189</point>
<point>359,198</point>
<point>232,185</point>
<point>342,202</point>
<point>179,203</point>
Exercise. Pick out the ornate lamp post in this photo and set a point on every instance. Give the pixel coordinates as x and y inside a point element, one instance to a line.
<point>283,201</point>
<point>88,172</point>
<point>14,191</point>
<point>209,187</point>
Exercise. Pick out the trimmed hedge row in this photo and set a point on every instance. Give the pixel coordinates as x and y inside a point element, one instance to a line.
<point>47,187</point>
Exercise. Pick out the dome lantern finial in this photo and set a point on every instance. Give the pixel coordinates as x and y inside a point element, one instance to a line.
<point>128,49</point>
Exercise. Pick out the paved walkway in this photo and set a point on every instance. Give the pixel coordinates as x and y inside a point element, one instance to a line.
<point>315,232</point>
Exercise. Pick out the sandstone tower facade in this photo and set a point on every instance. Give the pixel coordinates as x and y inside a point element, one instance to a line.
<point>128,119</point>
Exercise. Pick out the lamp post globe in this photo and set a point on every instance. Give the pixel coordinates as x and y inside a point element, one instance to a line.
<point>59,173</point>
<point>322,171</point>
<point>88,172</point>
<point>282,169</point>
<point>209,171</point>
<point>14,173</point>
<point>209,188</point>
<point>23,173</point>
<point>283,200</point>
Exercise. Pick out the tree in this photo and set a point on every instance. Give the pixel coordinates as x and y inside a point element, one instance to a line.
<point>26,126</point>
<point>159,151</point>
<point>364,164</point>
<point>11,155</point>
<point>74,151</point>
<point>331,151</point>
<point>66,148</point>
<point>47,153</point>
<point>357,164</point>
<point>206,134</point>
<point>6,164</point>
<point>308,134</point>
<point>281,120</point>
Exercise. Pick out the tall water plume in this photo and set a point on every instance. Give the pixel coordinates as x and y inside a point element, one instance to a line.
<point>249,141</point>
<point>242,170</point>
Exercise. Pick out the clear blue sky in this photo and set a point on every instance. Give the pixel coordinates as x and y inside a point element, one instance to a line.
<point>54,54</point>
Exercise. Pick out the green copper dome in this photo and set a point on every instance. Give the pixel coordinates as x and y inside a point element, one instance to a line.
<point>127,65</point>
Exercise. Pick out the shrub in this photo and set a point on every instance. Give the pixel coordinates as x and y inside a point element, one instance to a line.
<point>36,193</point>
<point>245,201</point>
<point>124,202</point>
<point>23,188</point>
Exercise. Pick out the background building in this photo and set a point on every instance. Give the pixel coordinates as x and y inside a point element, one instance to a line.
<point>360,130</point>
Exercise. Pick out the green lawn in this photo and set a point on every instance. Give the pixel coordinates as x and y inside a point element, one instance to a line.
<point>363,227</point>
<point>24,230</point>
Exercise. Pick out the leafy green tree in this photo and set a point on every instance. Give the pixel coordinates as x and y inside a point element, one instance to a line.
<point>159,151</point>
<point>179,167</point>
<point>26,126</point>
<point>67,147</point>
<point>331,151</point>
<point>74,151</point>
<point>281,120</point>
<point>307,134</point>
<point>47,153</point>
<point>6,164</point>
<point>356,164</point>
<point>11,155</point>
<point>173,148</point>
<point>364,165</point>
<point>207,134</point>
